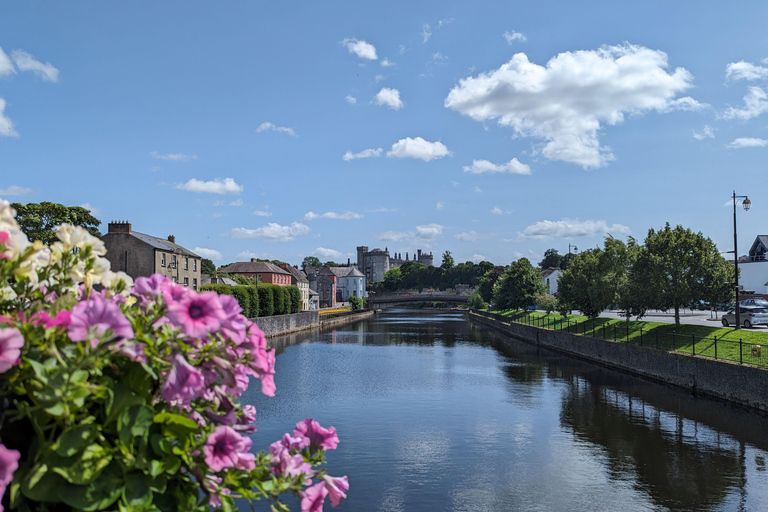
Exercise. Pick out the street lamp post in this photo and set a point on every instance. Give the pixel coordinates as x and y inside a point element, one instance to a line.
<point>746,203</point>
<point>575,249</point>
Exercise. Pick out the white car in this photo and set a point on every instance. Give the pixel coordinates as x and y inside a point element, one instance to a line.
<point>749,317</point>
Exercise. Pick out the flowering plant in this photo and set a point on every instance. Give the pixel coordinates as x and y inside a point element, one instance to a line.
<point>117,395</point>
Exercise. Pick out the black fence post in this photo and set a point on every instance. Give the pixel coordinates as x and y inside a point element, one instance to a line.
<point>641,335</point>
<point>674,341</point>
<point>614,332</point>
<point>741,352</point>
<point>627,332</point>
<point>715,346</point>
<point>693,339</point>
<point>603,331</point>
<point>657,337</point>
<point>568,326</point>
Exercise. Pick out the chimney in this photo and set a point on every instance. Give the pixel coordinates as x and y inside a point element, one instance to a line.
<point>253,260</point>
<point>119,226</point>
<point>347,261</point>
<point>172,239</point>
<point>419,254</point>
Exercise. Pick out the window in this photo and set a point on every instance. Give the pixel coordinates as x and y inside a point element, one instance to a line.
<point>194,265</point>
<point>186,263</point>
<point>173,261</point>
<point>194,283</point>
<point>258,277</point>
<point>174,280</point>
<point>186,281</point>
<point>162,259</point>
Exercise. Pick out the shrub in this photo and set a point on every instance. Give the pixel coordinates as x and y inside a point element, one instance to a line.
<point>240,292</point>
<point>253,295</point>
<point>266,300</point>
<point>476,301</point>
<point>356,303</point>
<point>126,398</point>
<point>295,298</point>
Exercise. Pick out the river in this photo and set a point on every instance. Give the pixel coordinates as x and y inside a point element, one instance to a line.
<point>435,414</point>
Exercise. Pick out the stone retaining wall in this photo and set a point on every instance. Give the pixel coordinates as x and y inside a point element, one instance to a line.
<point>745,385</point>
<point>284,324</point>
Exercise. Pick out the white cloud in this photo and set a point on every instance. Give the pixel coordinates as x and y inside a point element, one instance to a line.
<point>6,125</point>
<point>262,213</point>
<point>378,78</point>
<point>217,186</point>
<point>236,202</point>
<point>513,36</point>
<point>497,211</point>
<point>246,255</point>
<point>267,126</point>
<point>755,103</point>
<point>707,133</point>
<point>332,215</point>
<point>390,98</point>
<point>469,236</point>
<point>424,234</point>
<point>745,71</point>
<point>6,67</point>
<point>748,142</point>
<point>394,236</point>
<point>361,48</point>
<point>571,228</point>
<point>418,148</point>
<point>94,211</point>
<point>328,253</point>
<point>426,32</point>
<point>173,157</point>
<point>26,62</point>
<point>211,254</point>
<point>512,167</point>
<point>351,99</point>
<point>438,57</point>
<point>477,189</point>
<point>567,101</point>
<point>15,190</point>
<point>273,232</point>
<point>382,210</point>
<point>428,232</point>
<point>444,22</point>
<point>477,258</point>
<point>387,63</point>
<point>440,205</point>
<point>366,153</point>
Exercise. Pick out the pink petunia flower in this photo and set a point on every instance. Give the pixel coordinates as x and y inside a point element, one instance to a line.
<point>197,314</point>
<point>234,325</point>
<point>225,449</point>
<point>184,382</point>
<point>62,319</point>
<point>9,463</point>
<point>11,342</point>
<point>313,498</point>
<point>316,435</point>
<point>95,319</point>
<point>337,488</point>
<point>149,288</point>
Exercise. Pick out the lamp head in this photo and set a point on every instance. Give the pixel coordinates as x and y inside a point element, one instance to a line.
<point>746,204</point>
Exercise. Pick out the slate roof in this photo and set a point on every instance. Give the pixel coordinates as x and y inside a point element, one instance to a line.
<point>346,272</point>
<point>313,292</point>
<point>162,244</point>
<point>549,271</point>
<point>254,267</point>
<point>760,238</point>
<point>297,274</point>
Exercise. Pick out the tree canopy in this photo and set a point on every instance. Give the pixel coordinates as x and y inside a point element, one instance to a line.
<point>518,286</point>
<point>207,266</point>
<point>38,220</point>
<point>552,259</point>
<point>311,261</point>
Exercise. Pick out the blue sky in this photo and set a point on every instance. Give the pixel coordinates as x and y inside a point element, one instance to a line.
<point>494,130</point>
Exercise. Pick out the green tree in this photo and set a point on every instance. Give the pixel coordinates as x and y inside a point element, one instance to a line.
<point>552,259</point>
<point>476,301</point>
<point>486,283</point>
<point>546,302</point>
<point>447,261</point>
<point>207,266</point>
<point>579,287</point>
<point>356,303</point>
<point>393,280</point>
<point>518,286</point>
<point>311,261</point>
<point>38,220</point>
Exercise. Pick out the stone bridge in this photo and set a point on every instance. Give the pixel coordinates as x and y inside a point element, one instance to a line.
<point>389,300</point>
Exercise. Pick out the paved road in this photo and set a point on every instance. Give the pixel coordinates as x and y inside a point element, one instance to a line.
<point>686,317</point>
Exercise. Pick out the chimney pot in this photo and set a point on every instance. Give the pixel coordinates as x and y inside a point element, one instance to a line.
<point>172,239</point>
<point>119,227</point>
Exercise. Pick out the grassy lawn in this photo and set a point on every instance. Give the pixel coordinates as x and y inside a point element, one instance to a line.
<point>698,339</point>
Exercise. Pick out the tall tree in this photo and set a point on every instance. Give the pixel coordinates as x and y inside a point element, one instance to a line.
<point>518,286</point>
<point>581,285</point>
<point>486,283</point>
<point>311,261</point>
<point>207,266</point>
<point>38,220</point>
<point>552,258</point>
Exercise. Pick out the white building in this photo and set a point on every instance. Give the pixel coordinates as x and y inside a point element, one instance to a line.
<point>550,277</point>
<point>754,271</point>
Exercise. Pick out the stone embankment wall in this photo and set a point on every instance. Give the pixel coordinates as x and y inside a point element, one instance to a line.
<point>285,324</point>
<point>745,385</point>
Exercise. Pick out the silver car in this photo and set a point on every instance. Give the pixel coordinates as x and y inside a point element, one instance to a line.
<point>749,317</point>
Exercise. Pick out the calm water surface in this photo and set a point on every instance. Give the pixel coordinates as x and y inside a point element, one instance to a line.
<point>435,414</point>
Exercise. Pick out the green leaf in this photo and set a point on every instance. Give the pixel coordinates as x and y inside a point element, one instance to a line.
<point>42,484</point>
<point>134,422</point>
<point>169,418</point>
<point>40,372</point>
<point>76,439</point>
<point>228,504</point>
<point>121,398</point>
<point>161,445</point>
<point>97,495</point>
<point>58,410</point>
<point>137,493</point>
<point>87,467</point>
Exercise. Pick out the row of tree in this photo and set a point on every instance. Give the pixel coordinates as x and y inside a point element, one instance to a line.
<point>414,275</point>
<point>673,268</point>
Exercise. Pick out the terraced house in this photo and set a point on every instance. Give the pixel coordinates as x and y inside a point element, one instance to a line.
<point>263,271</point>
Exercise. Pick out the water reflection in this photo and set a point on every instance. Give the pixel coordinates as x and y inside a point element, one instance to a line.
<point>435,414</point>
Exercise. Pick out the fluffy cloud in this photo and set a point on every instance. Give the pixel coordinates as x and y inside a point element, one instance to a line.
<point>440,205</point>
<point>267,126</point>
<point>426,32</point>
<point>512,167</point>
<point>514,36</point>
<point>748,142</point>
<point>273,232</point>
<point>262,213</point>
<point>745,71</point>
<point>394,236</point>
<point>173,157</point>
<point>707,133</point>
<point>424,234</point>
<point>351,99</point>
<point>386,63</point>
<point>477,258</point>
<point>6,67</point>
<point>94,211</point>
<point>571,228</point>
<point>26,62</point>
<point>418,148</point>
<point>328,253</point>
<point>211,254</point>
<point>361,48</point>
<point>6,125</point>
<point>390,98</point>
<point>382,210</point>
<point>332,215</point>
<point>428,232</point>
<point>366,153</point>
<point>755,103</point>
<point>217,186</point>
<point>567,101</point>
<point>469,236</point>
<point>15,190</point>
<point>497,211</point>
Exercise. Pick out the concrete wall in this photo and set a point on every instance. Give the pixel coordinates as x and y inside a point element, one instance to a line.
<point>284,324</point>
<point>127,254</point>
<point>744,385</point>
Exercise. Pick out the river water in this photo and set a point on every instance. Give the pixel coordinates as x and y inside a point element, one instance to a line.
<point>435,414</point>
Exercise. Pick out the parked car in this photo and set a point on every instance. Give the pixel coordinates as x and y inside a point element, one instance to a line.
<point>749,316</point>
<point>759,303</point>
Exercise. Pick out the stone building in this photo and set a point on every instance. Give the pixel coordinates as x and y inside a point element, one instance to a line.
<point>300,280</point>
<point>263,271</point>
<point>138,254</point>
<point>350,282</point>
<point>324,281</point>
<point>374,264</point>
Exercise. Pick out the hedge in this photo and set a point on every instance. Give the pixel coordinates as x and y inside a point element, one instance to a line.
<point>263,300</point>
<point>266,300</point>
<point>279,295</point>
<point>295,298</point>
<point>253,294</point>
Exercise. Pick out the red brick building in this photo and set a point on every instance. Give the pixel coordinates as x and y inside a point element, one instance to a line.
<point>263,271</point>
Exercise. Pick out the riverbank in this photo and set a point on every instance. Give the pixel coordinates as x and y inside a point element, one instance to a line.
<point>740,384</point>
<point>279,325</point>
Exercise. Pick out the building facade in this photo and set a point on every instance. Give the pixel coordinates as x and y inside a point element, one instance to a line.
<point>300,280</point>
<point>754,268</point>
<point>262,271</point>
<point>350,282</point>
<point>374,264</point>
<point>138,254</point>
<point>550,277</point>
